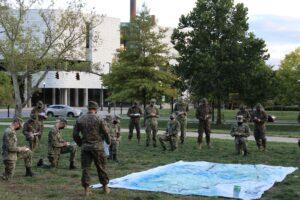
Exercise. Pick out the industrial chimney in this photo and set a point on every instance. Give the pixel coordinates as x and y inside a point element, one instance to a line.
<point>132,10</point>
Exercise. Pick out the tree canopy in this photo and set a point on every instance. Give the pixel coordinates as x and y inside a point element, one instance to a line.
<point>6,97</point>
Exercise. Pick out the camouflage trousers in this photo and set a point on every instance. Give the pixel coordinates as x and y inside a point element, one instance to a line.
<point>183,127</point>
<point>10,165</point>
<point>204,127</point>
<point>173,140</point>
<point>55,155</point>
<point>33,143</point>
<point>260,137</point>
<point>151,129</point>
<point>98,157</point>
<point>240,144</point>
<point>134,124</point>
<point>113,148</point>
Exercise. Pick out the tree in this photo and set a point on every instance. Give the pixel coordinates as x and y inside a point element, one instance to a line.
<point>288,77</point>
<point>26,49</point>
<point>216,49</point>
<point>5,89</point>
<point>141,70</point>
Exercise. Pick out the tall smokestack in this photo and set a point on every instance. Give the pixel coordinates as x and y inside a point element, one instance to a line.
<point>132,10</point>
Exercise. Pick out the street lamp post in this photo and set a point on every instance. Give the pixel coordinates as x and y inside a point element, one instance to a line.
<point>44,92</point>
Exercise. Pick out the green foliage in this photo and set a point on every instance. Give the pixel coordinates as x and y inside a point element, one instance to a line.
<point>141,70</point>
<point>5,89</point>
<point>289,79</point>
<point>216,51</point>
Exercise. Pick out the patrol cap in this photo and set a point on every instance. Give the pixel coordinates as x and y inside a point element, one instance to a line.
<point>62,120</point>
<point>259,106</point>
<point>108,116</point>
<point>93,105</point>
<point>172,116</point>
<point>242,107</point>
<point>18,120</point>
<point>204,100</point>
<point>40,104</point>
<point>153,101</point>
<point>135,102</point>
<point>240,118</point>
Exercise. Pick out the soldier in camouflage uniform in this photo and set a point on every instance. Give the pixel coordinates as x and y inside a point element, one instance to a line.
<point>11,152</point>
<point>115,136</point>
<point>57,146</point>
<point>31,132</point>
<point>203,114</point>
<point>93,132</point>
<point>135,113</point>
<point>151,116</point>
<point>246,115</point>
<point>240,131</point>
<point>181,108</point>
<point>171,134</point>
<point>39,114</point>
<point>260,119</point>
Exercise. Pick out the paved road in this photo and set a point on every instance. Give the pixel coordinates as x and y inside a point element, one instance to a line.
<point>194,135</point>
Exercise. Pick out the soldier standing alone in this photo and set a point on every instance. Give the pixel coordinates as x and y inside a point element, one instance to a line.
<point>57,146</point>
<point>11,152</point>
<point>151,116</point>
<point>240,131</point>
<point>203,115</point>
<point>181,109</point>
<point>171,134</point>
<point>93,132</point>
<point>135,113</point>
<point>260,118</point>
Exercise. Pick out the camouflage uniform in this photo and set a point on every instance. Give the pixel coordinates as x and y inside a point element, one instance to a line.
<point>151,116</point>
<point>203,115</point>
<point>57,146</point>
<point>94,132</point>
<point>31,133</point>
<point>240,131</point>
<point>243,112</point>
<point>39,119</point>
<point>181,109</point>
<point>115,134</point>
<point>171,134</point>
<point>135,113</point>
<point>260,118</point>
<point>11,152</point>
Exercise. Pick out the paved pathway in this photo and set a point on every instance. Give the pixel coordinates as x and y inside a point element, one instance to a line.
<point>194,134</point>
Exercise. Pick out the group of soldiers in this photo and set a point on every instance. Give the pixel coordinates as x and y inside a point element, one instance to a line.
<point>91,132</point>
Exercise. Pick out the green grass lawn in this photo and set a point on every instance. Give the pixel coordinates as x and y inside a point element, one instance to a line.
<point>64,184</point>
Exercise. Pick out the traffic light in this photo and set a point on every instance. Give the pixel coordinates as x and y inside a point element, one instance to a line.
<point>57,75</point>
<point>77,76</point>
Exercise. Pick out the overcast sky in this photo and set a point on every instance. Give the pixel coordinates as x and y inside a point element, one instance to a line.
<point>276,21</point>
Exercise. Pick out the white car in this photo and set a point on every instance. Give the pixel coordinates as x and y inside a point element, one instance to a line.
<point>62,110</point>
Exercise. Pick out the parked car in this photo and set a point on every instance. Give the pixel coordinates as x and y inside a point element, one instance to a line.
<point>62,110</point>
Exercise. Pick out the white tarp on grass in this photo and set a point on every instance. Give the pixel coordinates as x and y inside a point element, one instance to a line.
<point>205,179</point>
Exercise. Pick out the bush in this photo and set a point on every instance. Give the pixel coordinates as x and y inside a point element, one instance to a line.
<point>283,108</point>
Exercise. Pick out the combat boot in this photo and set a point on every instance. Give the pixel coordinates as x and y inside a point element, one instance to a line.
<point>139,141</point>
<point>87,191</point>
<point>72,165</point>
<point>106,189</point>
<point>29,172</point>
<point>115,158</point>
<point>199,146</point>
<point>40,163</point>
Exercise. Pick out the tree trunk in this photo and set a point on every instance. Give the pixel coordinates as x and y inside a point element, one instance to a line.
<point>213,111</point>
<point>18,100</point>
<point>172,105</point>
<point>219,112</point>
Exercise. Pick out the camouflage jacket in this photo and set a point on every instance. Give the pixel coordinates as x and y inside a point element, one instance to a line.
<point>114,131</point>
<point>93,132</point>
<point>9,145</point>
<point>151,112</point>
<point>55,140</point>
<point>181,109</point>
<point>245,114</point>
<point>173,128</point>
<point>240,130</point>
<point>36,111</point>
<point>134,110</point>
<point>262,117</point>
<point>30,129</point>
<point>203,112</point>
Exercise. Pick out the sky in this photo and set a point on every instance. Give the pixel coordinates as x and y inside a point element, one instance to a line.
<point>276,21</point>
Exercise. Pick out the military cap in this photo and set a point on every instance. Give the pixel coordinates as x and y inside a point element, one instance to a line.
<point>259,106</point>
<point>172,116</point>
<point>62,120</point>
<point>40,104</point>
<point>93,105</point>
<point>204,100</point>
<point>242,107</point>
<point>240,118</point>
<point>153,101</point>
<point>18,120</point>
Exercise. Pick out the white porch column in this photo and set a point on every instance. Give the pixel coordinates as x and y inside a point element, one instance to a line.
<point>53,96</point>
<point>86,97</point>
<point>76,98</point>
<point>68,96</point>
<point>65,96</point>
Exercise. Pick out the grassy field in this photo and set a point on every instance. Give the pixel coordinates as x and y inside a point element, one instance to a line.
<point>63,184</point>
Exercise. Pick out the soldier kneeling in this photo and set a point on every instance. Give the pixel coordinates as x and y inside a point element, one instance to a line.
<point>240,131</point>
<point>171,134</point>
<point>11,152</point>
<point>57,146</point>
